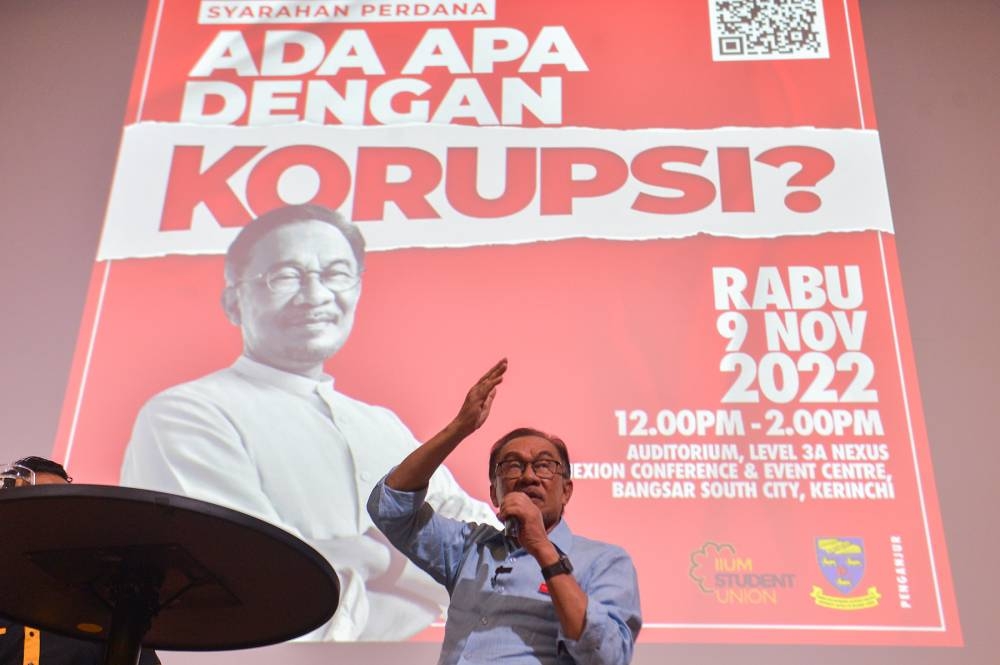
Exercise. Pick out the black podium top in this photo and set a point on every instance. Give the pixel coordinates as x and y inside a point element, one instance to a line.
<point>222,579</point>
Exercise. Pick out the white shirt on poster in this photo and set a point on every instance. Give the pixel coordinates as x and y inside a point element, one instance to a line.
<point>296,453</point>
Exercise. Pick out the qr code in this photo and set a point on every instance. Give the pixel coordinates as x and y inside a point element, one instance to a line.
<point>768,30</point>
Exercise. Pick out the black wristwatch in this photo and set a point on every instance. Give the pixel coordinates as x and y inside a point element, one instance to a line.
<point>562,566</point>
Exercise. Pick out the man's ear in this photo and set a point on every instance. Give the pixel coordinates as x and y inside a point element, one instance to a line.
<point>567,491</point>
<point>493,495</point>
<point>231,305</point>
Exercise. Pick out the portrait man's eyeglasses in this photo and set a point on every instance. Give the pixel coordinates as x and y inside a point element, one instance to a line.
<point>545,469</point>
<point>288,280</point>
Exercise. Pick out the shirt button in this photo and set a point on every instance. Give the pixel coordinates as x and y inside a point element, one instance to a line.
<point>484,621</point>
<point>365,476</point>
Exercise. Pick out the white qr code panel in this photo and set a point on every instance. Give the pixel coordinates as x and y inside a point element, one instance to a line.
<point>768,30</point>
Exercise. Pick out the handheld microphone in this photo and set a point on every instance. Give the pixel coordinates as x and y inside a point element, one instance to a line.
<point>511,527</point>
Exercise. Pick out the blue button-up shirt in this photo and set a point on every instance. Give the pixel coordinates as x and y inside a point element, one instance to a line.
<point>500,607</point>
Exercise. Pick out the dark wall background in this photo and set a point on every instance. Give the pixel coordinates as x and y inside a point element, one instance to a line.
<point>65,71</point>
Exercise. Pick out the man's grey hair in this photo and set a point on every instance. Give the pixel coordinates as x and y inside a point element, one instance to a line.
<point>238,254</point>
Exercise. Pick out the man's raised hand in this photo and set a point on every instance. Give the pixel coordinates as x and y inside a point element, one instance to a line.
<point>478,401</point>
<point>415,471</point>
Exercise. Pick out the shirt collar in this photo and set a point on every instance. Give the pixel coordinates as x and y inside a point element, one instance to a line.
<point>293,383</point>
<point>561,536</point>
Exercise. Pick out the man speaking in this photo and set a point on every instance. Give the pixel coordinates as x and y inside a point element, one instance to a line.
<point>534,593</point>
<point>270,435</point>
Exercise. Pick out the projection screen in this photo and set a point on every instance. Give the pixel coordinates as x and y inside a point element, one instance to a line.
<point>675,224</point>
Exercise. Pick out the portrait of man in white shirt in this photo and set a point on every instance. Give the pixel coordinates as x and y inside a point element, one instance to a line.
<point>270,435</point>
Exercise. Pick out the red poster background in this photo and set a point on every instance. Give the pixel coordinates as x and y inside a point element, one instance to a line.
<point>590,327</point>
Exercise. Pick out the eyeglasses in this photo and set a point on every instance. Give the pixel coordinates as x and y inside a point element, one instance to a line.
<point>19,475</point>
<point>12,475</point>
<point>288,280</point>
<point>544,469</point>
